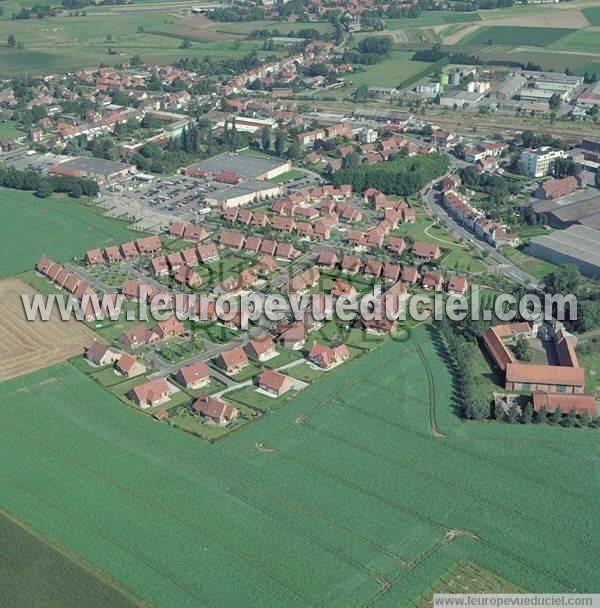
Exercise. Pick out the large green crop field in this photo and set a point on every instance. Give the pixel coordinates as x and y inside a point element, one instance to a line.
<point>34,574</point>
<point>586,41</point>
<point>509,35</point>
<point>344,497</point>
<point>60,228</point>
<point>388,73</point>
<point>429,19</point>
<point>592,14</point>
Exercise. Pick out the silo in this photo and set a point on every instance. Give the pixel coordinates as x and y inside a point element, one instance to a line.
<point>444,79</point>
<point>455,78</point>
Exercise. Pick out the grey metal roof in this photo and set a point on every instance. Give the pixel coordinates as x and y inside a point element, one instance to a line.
<point>246,166</point>
<point>579,242</point>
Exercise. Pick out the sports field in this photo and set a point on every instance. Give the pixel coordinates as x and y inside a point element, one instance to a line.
<point>364,491</point>
<point>59,228</point>
<point>35,574</point>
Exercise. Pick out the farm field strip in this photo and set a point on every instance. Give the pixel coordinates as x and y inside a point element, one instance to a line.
<point>34,572</point>
<point>26,346</point>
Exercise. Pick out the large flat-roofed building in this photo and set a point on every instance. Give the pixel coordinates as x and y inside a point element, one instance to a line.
<point>537,162</point>
<point>509,87</point>
<point>99,169</point>
<point>582,208</point>
<point>576,245</point>
<point>461,99</point>
<point>549,78</point>
<point>243,165</point>
<point>243,193</point>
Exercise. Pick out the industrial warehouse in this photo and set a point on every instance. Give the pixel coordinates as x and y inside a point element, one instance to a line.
<point>239,167</point>
<point>576,245</point>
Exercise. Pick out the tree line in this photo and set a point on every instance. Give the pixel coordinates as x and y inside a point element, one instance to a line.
<point>44,185</point>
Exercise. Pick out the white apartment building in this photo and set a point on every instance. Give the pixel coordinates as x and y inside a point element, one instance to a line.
<point>537,163</point>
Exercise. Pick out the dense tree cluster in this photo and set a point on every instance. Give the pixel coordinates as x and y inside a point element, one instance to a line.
<point>497,189</point>
<point>44,186</point>
<point>37,11</point>
<point>208,67</point>
<point>237,13</point>
<point>538,140</point>
<point>400,175</point>
<point>370,50</point>
<point>567,279</point>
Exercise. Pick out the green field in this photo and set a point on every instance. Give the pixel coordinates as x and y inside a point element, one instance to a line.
<point>69,43</point>
<point>429,19</point>
<point>284,27</point>
<point>516,36</point>
<point>592,14</point>
<point>468,578</point>
<point>388,73</point>
<point>534,266</point>
<point>60,228</point>
<point>587,41</point>
<point>35,574</point>
<point>343,497</point>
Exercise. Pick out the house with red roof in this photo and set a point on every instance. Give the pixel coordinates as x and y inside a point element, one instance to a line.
<point>214,410</point>
<point>193,376</point>
<point>150,394</point>
<point>327,357</point>
<point>232,361</point>
<point>169,328</point>
<point>426,251</point>
<point>262,348</point>
<point>129,366</point>
<point>274,383</point>
<point>457,285</point>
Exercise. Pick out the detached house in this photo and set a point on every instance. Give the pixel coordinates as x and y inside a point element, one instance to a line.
<point>129,366</point>
<point>426,251</point>
<point>233,361</point>
<point>101,355</point>
<point>138,336</point>
<point>327,357</point>
<point>262,348</point>
<point>193,376</point>
<point>151,393</point>
<point>274,383</point>
<point>214,410</point>
<point>457,285</point>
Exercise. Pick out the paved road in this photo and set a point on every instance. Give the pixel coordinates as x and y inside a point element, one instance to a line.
<point>93,280</point>
<point>514,273</point>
